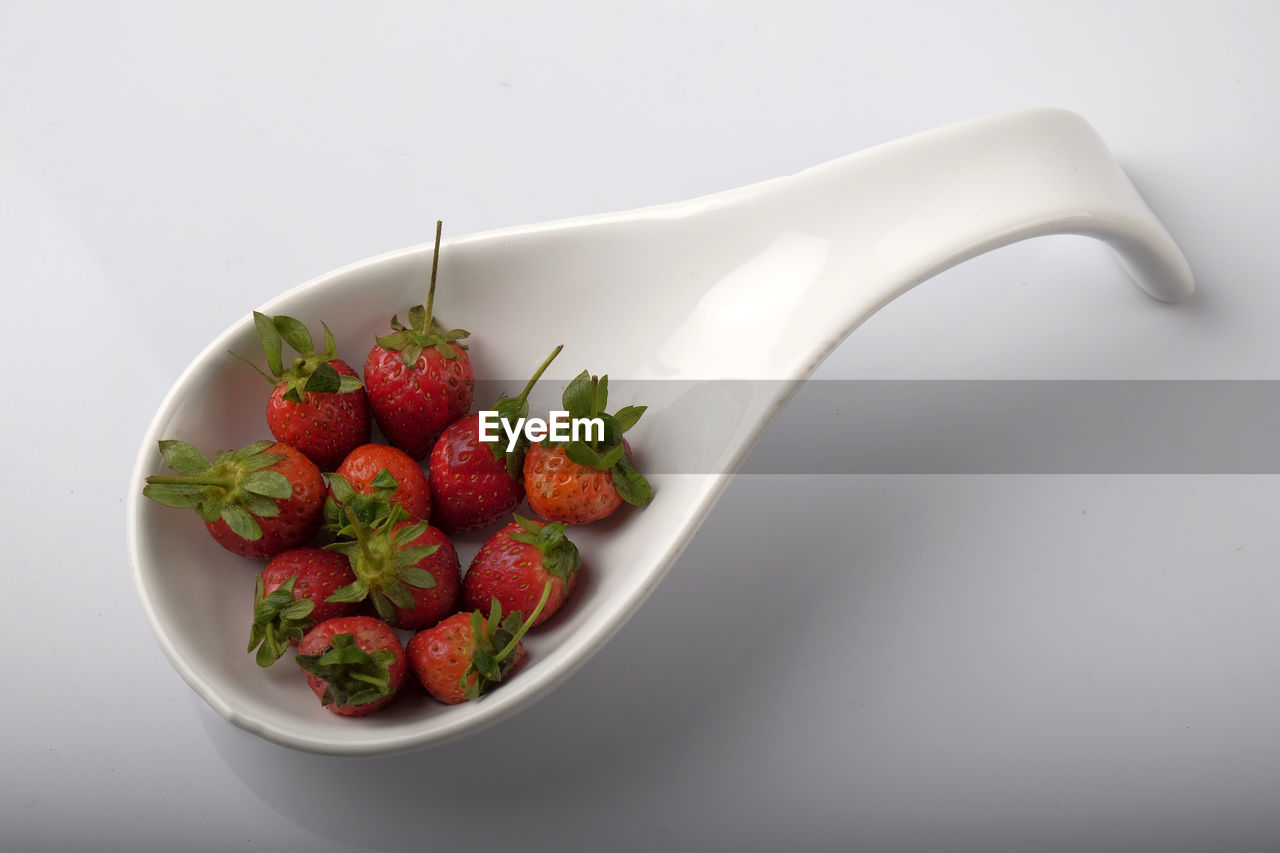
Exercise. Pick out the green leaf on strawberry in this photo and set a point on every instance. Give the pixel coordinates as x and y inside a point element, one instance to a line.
<point>183,457</point>
<point>496,640</point>
<point>585,397</point>
<point>232,487</point>
<point>424,330</point>
<point>385,561</point>
<point>631,484</point>
<point>310,371</point>
<point>627,416</point>
<point>278,618</point>
<point>560,557</point>
<point>368,508</point>
<point>352,675</point>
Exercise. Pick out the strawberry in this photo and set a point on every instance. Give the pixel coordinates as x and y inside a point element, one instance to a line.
<point>409,570</point>
<point>578,482</point>
<point>257,501</point>
<point>318,405</point>
<point>355,664</point>
<point>466,655</point>
<point>289,598</point>
<point>372,478</point>
<point>419,377</point>
<point>516,562</point>
<point>475,482</point>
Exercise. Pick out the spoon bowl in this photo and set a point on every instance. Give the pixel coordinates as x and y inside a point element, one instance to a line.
<point>711,311</point>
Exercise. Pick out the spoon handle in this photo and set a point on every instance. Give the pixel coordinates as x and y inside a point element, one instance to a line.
<point>831,245</point>
<point>948,195</point>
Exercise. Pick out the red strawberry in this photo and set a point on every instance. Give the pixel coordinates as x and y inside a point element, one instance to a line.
<point>419,377</point>
<point>562,490</point>
<point>477,482</point>
<point>318,405</point>
<point>466,655</point>
<point>257,501</point>
<point>355,664</point>
<point>578,482</point>
<point>409,570</point>
<point>381,472</point>
<point>518,561</point>
<point>289,598</point>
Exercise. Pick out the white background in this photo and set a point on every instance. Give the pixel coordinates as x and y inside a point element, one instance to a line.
<point>883,662</point>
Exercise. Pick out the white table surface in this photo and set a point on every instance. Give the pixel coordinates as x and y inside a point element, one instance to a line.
<point>978,661</point>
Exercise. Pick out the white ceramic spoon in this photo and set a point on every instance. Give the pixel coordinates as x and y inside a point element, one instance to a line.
<point>755,284</point>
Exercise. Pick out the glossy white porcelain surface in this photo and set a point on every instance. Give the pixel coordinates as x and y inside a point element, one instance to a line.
<point>756,284</point>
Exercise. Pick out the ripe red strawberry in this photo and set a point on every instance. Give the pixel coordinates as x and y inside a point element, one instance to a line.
<point>355,664</point>
<point>318,404</point>
<point>409,570</point>
<point>257,501</point>
<point>419,377</point>
<point>578,482</point>
<point>372,478</point>
<point>289,599</point>
<point>465,656</point>
<point>477,482</point>
<point>564,491</point>
<point>516,563</point>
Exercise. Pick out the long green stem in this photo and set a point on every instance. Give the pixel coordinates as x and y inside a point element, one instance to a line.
<point>362,538</point>
<point>185,480</point>
<point>431,288</point>
<point>371,679</point>
<point>528,623</point>
<point>595,404</point>
<point>524,395</point>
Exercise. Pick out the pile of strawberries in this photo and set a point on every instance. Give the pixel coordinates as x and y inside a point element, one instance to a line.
<point>356,532</point>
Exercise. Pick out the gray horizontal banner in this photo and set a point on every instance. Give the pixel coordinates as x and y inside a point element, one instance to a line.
<point>958,427</point>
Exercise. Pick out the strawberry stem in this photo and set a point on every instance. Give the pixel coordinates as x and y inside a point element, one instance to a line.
<point>528,623</point>
<point>369,679</point>
<point>187,480</point>
<point>362,536</point>
<point>270,379</point>
<point>431,288</point>
<point>595,403</point>
<point>524,395</point>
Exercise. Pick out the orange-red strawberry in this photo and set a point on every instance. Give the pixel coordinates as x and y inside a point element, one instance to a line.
<point>409,570</point>
<point>419,378</point>
<point>577,482</point>
<point>561,490</point>
<point>465,656</point>
<point>372,478</point>
<point>517,563</point>
<point>257,501</point>
<point>476,482</point>
<point>318,405</point>
<point>289,599</point>
<point>355,664</point>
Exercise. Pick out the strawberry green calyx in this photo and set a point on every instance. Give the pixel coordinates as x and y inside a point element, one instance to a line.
<point>586,397</point>
<point>277,619</point>
<point>496,640</point>
<point>424,331</point>
<point>560,557</point>
<point>352,675</point>
<point>384,561</point>
<point>369,509</point>
<point>512,410</point>
<point>233,487</point>
<point>310,371</point>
